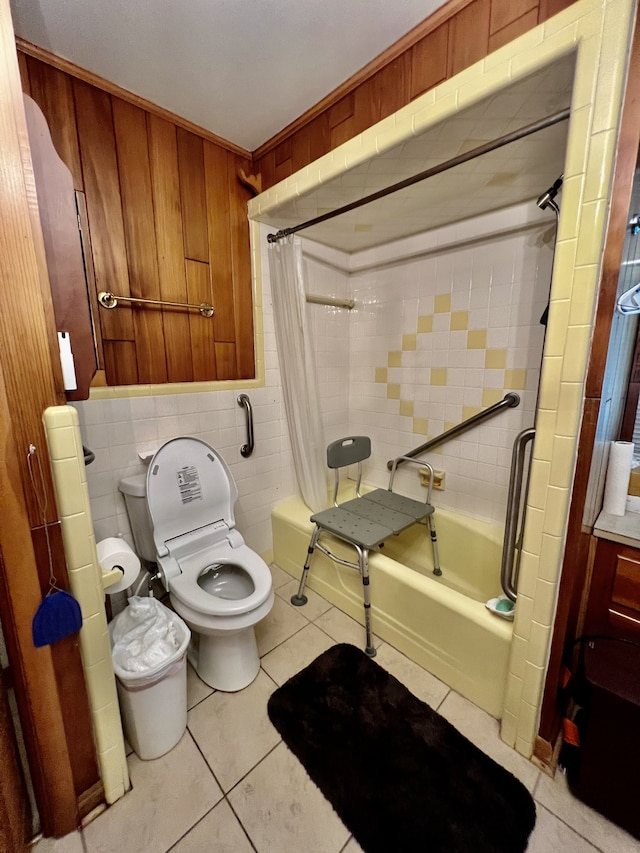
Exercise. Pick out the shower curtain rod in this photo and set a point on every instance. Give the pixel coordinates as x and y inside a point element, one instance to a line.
<point>541,124</point>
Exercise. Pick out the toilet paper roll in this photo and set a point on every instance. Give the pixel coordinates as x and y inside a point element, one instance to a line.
<point>618,472</point>
<point>116,554</point>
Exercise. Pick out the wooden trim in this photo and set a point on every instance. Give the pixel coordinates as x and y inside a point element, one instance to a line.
<point>131,98</point>
<point>404,43</point>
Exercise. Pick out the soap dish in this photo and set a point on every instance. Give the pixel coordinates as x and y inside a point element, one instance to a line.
<point>501,606</point>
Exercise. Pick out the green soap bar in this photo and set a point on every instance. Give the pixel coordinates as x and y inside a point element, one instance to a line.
<point>504,605</point>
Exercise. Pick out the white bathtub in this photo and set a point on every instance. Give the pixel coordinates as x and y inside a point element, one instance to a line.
<point>441,623</point>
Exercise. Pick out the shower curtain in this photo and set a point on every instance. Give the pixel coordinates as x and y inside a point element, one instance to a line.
<point>298,370</point>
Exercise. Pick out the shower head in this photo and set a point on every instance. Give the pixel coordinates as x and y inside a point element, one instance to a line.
<point>547,197</point>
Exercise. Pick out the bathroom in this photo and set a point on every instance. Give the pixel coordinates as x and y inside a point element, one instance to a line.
<point>122,427</point>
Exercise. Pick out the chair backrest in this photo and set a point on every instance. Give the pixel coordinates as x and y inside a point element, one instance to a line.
<point>348,451</point>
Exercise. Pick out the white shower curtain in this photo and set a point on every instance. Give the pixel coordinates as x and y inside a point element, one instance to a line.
<point>298,370</point>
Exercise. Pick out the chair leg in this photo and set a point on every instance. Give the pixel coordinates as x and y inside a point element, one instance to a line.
<point>363,559</point>
<point>434,544</point>
<point>301,598</point>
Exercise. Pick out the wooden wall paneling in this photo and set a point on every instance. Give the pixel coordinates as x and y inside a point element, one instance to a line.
<point>120,364</point>
<point>549,8</point>
<point>468,36</point>
<point>341,120</point>
<point>319,136</point>
<point>104,206</point>
<point>203,347</point>
<point>266,167</point>
<point>513,30</point>
<point>216,168</point>
<point>241,264</point>
<point>226,360</point>
<point>193,196</point>
<point>90,274</point>
<point>282,161</point>
<point>132,146</point>
<point>53,92</point>
<point>505,12</point>
<point>394,85</point>
<point>428,61</point>
<point>300,149</point>
<point>163,159</point>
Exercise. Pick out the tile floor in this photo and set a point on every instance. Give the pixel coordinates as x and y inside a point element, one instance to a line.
<point>232,786</point>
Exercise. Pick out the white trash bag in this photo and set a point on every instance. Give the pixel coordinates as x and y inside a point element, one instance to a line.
<point>145,636</point>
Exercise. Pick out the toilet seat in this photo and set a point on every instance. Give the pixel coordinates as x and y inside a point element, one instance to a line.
<point>191,493</point>
<point>185,585</point>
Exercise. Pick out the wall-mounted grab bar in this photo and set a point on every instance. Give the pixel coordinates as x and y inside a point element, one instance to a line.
<point>332,301</point>
<point>109,300</point>
<point>509,401</point>
<point>247,449</point>
<point>510,567</point>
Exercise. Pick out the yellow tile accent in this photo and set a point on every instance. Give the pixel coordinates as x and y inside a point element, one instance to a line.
<point>538,482</point>
<point>491,396</point>
<point>393,391</point>
<point>578,345</point>
<point>562,460</point>
<point>470,411</point>
<point>406,408</point>
<point>438,376</point>
<point>495,359</point>
<point>408,343</point>
<point>447,425</point>
<point>556,510</point>
<point>459,321</point>
<point>420,426</point>
<point>442,303</point>
<point>539,642</point>
<point>381,374</point>
<point>532,684</point>
<point>477,339</point>
<point>425,323</point>
<point>515,378</point>
<point>394,359</point>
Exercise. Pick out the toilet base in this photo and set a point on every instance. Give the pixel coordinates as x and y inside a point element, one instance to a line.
<point>227,661</point>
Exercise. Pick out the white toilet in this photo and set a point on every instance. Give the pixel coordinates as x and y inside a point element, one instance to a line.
<point>217,584</point>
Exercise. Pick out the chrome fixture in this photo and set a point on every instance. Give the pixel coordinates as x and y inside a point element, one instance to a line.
<point>247,449</point>
<point>109,300</point>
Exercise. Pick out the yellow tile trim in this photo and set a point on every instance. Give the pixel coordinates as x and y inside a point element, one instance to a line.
<point>515,378</point>
<point>381,374</point>
<point>408,343</point>
<point>477,339</point>
<point>394,359</point>
<point>438,376</point>
<point>459,321</point>
<point>420,426</point>
<point>406,408</point>
<point>442,303</point>
<point>425,323</point>
<point>393,391</point>
<point>495,359</point>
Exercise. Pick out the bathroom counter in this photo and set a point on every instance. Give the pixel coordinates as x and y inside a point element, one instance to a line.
<point>624,529</point>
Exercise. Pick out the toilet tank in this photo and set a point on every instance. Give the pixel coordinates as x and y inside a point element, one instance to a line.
<point>134,490</point>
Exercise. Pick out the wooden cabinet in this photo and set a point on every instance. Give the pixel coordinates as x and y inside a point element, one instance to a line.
<point>613,606</point>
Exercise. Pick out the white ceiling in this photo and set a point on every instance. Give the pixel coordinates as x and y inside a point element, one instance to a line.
<point>242,69</point>
<point>518,172</point>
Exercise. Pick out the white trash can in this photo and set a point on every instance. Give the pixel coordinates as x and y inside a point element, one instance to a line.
<point>153,698</point>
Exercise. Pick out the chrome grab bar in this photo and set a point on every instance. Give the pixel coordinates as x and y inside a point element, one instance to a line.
<point>247,449</point>
<point>109,300</point>
<point>510,569</point>
<point>509,401</point>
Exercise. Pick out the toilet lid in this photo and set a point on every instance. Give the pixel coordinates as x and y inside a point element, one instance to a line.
<point>189,486</point>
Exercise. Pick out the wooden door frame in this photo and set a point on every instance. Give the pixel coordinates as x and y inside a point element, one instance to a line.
<point>49,681</point>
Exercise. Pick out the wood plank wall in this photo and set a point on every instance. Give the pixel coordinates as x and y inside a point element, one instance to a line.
<point>456,36</point>
<point>167,219</point>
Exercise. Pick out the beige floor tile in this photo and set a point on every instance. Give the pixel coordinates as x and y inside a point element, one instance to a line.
<point>551,834</point>
<point>421,683</point>
<point>283,621</point>
<point>483,730</point>
<point>218,831</point>
<point>233,730</point>
<point>282,810</point>
<point>278,576</point>
<point>71,843</point>
<point>169,795</point>
<point>316,604</point>
<point>296,653</point>
<point>555,795</point>
<point>197,690</point>
<point>343,628</point>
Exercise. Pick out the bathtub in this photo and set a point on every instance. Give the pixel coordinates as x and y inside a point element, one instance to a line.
<point>440,623</point>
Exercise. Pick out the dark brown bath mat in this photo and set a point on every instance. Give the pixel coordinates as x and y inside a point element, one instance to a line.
<point>400,776</point>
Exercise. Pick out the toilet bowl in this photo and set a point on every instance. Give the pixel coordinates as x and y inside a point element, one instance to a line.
<point>217,584</point>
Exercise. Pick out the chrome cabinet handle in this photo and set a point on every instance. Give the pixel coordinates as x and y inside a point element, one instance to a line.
<point>247,449</point>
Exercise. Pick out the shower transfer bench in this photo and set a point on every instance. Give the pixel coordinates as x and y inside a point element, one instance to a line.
<point>367,520</point>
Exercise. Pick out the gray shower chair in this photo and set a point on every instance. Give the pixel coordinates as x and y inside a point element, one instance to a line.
<point>367,520</point>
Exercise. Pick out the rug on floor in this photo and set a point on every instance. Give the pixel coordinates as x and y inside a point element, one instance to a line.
<point>400,777</point>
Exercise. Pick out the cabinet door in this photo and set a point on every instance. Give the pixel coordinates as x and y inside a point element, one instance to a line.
<point>614,597</point>
<point>63,249</point>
